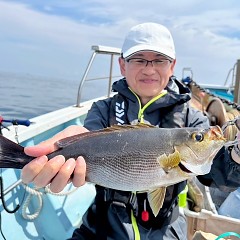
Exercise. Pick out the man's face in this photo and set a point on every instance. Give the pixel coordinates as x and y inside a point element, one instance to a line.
<point>147,79</point>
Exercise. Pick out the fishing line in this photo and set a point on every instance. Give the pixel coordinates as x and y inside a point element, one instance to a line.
<point>1,227</point>
<point>1,218</point>
<point>3,199</point>
<point>5,207</point>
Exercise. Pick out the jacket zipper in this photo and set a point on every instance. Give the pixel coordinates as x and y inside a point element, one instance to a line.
<point>142,109</point>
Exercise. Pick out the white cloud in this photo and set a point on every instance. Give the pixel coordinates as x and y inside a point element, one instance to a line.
<point>50,42</point>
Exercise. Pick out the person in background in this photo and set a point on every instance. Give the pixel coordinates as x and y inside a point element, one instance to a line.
<point>230,204</point>
<point>147,93</point>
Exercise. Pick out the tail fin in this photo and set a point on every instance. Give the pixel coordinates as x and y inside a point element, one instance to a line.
<point>12,155</point>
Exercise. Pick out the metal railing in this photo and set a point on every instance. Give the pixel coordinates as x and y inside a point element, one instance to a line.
<point>98,50</point>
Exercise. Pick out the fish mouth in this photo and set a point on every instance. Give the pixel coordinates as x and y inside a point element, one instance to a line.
<point>183,168</point>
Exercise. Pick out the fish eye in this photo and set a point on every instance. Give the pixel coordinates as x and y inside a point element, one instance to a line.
<point>198,137</point>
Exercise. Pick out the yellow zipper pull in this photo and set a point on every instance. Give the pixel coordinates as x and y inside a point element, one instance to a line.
<point>142,109</point>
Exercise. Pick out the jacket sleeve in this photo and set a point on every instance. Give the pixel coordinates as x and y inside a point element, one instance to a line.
<point>98,115</point>
<point>225,172</point>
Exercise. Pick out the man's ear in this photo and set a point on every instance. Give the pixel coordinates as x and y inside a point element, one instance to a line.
<point>173,65</point>
<point>122,65</point>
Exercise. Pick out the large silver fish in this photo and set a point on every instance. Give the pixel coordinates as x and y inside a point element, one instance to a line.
<point>139,158</point>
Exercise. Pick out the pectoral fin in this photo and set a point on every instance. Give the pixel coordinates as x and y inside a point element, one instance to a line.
<point>169,161</point>
<point>156,199</point>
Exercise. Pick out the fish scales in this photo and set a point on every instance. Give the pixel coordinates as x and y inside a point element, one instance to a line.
<point>135,142</point>
<point>134,158</point>
<point>128,160</point>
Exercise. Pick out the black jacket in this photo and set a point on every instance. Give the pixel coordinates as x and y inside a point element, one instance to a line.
<point>171,110</point>
<point>225,172</point>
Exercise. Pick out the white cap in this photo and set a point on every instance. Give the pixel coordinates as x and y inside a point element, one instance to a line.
<point>149,37</point>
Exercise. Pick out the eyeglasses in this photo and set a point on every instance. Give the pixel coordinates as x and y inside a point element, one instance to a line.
<point>157,63</point>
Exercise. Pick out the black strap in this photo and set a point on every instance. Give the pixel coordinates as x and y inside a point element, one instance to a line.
<point>101,214</point>
<point>105,197</point>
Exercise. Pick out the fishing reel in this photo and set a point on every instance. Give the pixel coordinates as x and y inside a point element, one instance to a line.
<point>235,122</point>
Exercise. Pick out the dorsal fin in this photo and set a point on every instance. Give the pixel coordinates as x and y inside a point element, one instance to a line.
<point>75,138</point>
<point>127,127</point>
<point>70,140</point>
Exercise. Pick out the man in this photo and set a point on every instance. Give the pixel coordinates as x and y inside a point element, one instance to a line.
<point>148,93</point>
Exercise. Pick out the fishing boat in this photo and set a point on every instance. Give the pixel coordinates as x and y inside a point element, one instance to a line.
<point>30,213</point>
<point>219,104</point>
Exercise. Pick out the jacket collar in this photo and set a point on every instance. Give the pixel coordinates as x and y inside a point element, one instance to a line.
<point>177,93</point>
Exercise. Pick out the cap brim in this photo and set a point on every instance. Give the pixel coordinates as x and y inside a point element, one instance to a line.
<point>140,48</point>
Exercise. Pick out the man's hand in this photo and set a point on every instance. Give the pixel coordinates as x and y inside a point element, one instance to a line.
<point>56,171</point>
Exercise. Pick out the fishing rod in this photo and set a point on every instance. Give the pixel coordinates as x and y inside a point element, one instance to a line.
<point>25,122</point>
<point>14,122</point>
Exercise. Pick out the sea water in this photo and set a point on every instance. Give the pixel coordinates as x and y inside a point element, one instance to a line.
<point>24,96</point>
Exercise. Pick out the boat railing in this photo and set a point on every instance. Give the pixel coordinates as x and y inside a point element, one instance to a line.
<point>97,49</point>
<point>235,72</point>
<point>237,84</point>
<point>231,72</point>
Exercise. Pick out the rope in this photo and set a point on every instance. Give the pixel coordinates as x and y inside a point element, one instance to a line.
<point>31,193</point>
<point>47,190</point>
<point>38,192</point>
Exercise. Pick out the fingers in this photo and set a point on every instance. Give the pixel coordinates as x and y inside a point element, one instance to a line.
<point>49,145</point>
<point>40,171</point>
<point>33,168</point>
<point>79,172</point>
<point>56,172</point>
<point>78,167</point>
<point>60,180</point>
<point>39,150</point>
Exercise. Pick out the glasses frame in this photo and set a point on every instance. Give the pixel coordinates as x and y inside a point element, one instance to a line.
<point>153,62</point>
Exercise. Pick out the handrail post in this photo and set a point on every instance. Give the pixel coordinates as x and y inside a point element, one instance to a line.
<point>237,84</point>
<point>98,50</point>
<point>110,76</point>
<point>84,78</point>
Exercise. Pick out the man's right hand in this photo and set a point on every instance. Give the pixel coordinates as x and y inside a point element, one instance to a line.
<point>56,171</point>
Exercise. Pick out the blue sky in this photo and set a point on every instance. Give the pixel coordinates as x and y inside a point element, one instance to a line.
<point>54,38</point>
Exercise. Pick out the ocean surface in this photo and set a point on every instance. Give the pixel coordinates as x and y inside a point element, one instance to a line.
<point>24,96</point>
